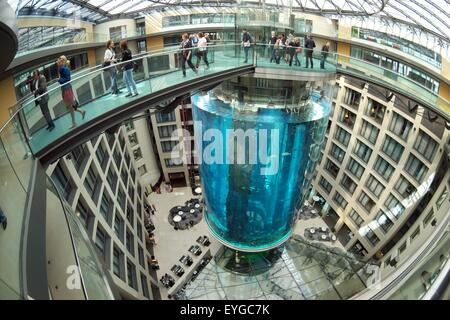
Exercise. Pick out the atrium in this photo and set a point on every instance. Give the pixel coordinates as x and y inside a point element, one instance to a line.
<point>225,150</point>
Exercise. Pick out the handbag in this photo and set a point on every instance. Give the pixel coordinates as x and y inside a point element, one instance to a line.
<point>298,50</point>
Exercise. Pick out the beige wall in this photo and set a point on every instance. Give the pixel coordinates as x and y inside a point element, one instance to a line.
<point>155,43</point>
<point>103,28</point>
<point>7,97</point>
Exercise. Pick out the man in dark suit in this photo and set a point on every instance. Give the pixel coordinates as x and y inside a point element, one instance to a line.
<point>39,89</point>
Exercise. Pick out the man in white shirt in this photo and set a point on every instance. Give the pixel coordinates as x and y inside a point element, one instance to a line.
<point>202,46</point>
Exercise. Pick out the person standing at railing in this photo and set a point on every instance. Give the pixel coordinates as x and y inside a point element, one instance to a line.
<point>108,61</point>
<point>277,50</point>
<point>273,39</point>
<point>293,46</point>
<point>246,42</point>
<point>66,89</point>
<point>324,54</point>
<point>127,69</point>
<point>309,47</point>
<point>186,54</point>
<point>202,45</point>
<point>39,86</point>
<point>3,219</point>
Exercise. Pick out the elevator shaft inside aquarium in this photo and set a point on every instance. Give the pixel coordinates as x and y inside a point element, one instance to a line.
<point>257,156</point>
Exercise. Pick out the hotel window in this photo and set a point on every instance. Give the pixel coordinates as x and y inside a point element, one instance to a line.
<point>375,110</point>
<point>137,154</point>
<point>404,187</point>
<point>346,117</point>
<point>383,168</point>
<point>393,149</point>
<point>141,257</point>
<point>165,117</point>
<point>394,206</point>
<point>131,192</point>
<point>91,181</point>
<point>130,243</point>
<point>428,218</point>
<point>101,154</point>
<point>142,170</point>
<point>129,125</point>
<point>133,175</point>
<point>117,157</point>
<point>337,153</point>
<point>369,131</point>
<point>416,168</point>
<point>400,126</point>
<point>84,214</point>
<point>121,141</point>
<point>366,202</point>
<point>415,234</point>
<point>79,155</point>
<point>175,162</point>
<point>118,226</point>
<point>375,186</point>
<point>124,175</point>
<point>352,98</point>
<point>383,221</point>
<point>332,168</point>
<point>442,198</point>
<point>371,237</point>
<point>111,137</point>
<point>131,275</point>
<point>139,230</point>
<point>339,200</point>
<point>62,182</point>
<point>127,159</point>
<point>100,242</point>
<point>130,216</point>
<point>144,284</point>
<point>121,198</point>
<point>166,131</point>
<point>133,139</point>
<point>426,146</point>
<point>117,257</point>
<point>355,168</point>
<point>342,136</point>
<point>105,206</point>
<point>112,178</point>
<point>168,146</point>
<point>348,184</point>
<point>356,218</point>
<point>325,185</point>
<point>362,151</point>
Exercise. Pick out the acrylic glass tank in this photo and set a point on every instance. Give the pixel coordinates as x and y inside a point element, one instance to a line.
<point>257,148</point>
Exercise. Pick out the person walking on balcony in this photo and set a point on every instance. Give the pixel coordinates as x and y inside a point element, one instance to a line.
<point>110,60</point>
<point>202,46</point>
<point>66,89</point>
<point>309,47</point>
<point>273,39</point>
<point>324,54</point>
<point>3,219</point>
<point>246,42</point>
<point>128,68</point>
<point>39,86</point>
<point>186,54</point>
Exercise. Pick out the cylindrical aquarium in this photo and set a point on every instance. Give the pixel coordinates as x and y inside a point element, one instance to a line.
<point>257,146</point>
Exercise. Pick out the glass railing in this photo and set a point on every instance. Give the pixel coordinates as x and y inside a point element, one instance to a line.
<point>424,277</point>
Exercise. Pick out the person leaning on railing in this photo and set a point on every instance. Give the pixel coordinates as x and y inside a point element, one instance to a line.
<point>246,42</point>
<point>66,89</point>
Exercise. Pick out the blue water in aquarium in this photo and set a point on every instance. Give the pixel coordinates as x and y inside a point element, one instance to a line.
<point>247,208</point>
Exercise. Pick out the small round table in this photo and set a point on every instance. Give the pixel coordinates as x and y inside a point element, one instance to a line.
<point>197,205</point>
<point>180,213</point>
<point>198,190</point>
<point>324,229</point>
<point>192,211</point>
<point>176,218</point>
<point>324,237</point>
<point>315,198</point>
<point>312,230</point>
<point>333,238</point>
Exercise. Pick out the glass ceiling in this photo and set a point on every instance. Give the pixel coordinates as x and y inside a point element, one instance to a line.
<point>430,15</point>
